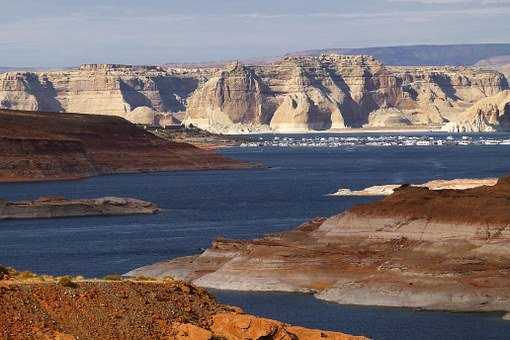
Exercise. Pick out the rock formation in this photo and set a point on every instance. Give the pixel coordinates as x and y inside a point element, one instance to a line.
<point>434,249</point>
<point>53,207</point>
<point>500,63</point>
<point>295,94</point>
<point>487,115</point>
<point>330,92</point>
<point>45,307</point>
<point>51,146</point>
<point>102,89</point>
<point>438,184</point>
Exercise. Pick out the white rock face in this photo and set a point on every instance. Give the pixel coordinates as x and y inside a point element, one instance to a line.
<point>122,90</point>
<point>438,184</point>
<point>330,92</point>
<point>487,115</point>
<point>295,94</point>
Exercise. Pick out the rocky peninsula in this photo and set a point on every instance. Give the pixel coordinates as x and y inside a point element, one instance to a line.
<point>421,248</point>
<point>54,207</point>
<point>67,308</point>
<point>438,184</point>
<point>38,146</point>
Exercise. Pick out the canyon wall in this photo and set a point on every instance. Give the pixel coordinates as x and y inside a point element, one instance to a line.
<point>330,92</point>
<point>295,94</point>
<point>487,115</point>
<point>133,92</point>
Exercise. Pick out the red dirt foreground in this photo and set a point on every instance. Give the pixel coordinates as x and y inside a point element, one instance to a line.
<point>56,146</point>
<point>45,307</point>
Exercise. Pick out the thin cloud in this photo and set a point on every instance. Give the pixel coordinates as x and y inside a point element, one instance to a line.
<point>453,2</point>
<point>430,14</point>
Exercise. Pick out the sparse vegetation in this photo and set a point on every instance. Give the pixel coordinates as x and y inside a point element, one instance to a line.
<point>145,278</point>
<point>26,275</point>
<point>113,277</point>
<point>67,282</point>
<point>4,272</point>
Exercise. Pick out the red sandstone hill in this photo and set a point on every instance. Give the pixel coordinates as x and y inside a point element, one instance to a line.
<point>54,146</point>
<point>480,205</point>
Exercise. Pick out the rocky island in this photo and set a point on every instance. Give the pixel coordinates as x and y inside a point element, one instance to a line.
<point>433,249</point>
<point>66,308</point>
<point>39,146</point>
<point>54,207</point>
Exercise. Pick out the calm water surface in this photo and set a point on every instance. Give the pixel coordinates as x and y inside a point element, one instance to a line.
<point>200,206</point>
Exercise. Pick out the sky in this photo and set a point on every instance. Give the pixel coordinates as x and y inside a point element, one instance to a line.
<point>56,33</point>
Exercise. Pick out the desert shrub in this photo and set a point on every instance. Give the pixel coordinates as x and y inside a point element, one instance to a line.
<point>145,278</point>
<point>26,275</point>
<point>4,272</point>
<point>113,277</point>
<point>67,282</point>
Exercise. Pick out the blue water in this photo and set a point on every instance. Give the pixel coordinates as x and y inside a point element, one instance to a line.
<point>200,206</point>
<point>376,322</point>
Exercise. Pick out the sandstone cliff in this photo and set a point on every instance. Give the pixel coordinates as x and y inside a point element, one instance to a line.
<point>299,94</point>
<point>500,63</point>
<point>51,146</point>
<point>295,94</point>
<point>45,307</point>
<point>487,115</point>
<point>102,89</point>
<point>434,249</point>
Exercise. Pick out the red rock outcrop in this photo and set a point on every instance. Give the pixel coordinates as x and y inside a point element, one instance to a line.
<point>44,307</point>
<point>53,146</point>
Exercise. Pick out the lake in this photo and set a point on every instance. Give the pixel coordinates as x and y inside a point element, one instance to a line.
<point>201,206</point>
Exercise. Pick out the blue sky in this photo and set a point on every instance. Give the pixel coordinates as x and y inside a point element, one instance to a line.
<point>52,33</point>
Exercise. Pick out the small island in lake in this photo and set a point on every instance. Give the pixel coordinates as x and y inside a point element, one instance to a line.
<point>53,207</point>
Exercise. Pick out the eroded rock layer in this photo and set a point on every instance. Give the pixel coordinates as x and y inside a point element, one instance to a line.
<point>438,184</point>
<point>295,94</point>
<point>51,146</point>
<point>54,207</point>
<point>487,115</point>
<point>44,307</point>
<point>333,92</point>
<point>103,89</point>
<point>435,249</point>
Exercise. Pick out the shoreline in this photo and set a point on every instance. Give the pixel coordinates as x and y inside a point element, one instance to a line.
<point>417,248</point>
<point>246,166</point>
<point>339,132</point>
<point>499,313</point>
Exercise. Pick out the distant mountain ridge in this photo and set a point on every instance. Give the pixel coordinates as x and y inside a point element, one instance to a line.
<point>422,55</point>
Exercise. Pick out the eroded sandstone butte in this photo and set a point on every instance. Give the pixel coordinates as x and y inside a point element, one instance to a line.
<point>44,307</point>
<point>486,115</point>
<point>54,207</point>
<point>434,249</point>
<point>332,92</point>
<point>102,89</point>
<point>53,146</point>
<point>294,94</point>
